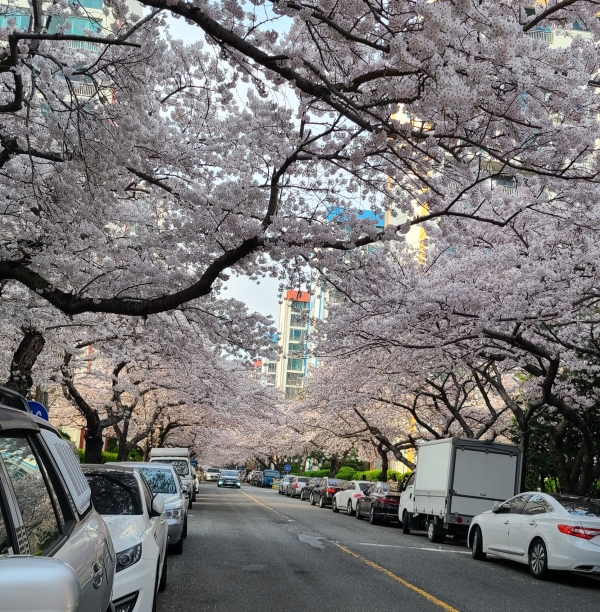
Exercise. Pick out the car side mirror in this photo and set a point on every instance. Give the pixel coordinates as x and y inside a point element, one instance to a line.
<point>158,505</point>
<point>496,507</point>
<point>37,584</point>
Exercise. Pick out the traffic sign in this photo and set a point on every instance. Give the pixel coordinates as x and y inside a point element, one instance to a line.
<point>37,409</point>
<point>287,468</point>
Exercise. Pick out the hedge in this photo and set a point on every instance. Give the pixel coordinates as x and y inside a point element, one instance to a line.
<point>106,457</point>
<point>347,473</point>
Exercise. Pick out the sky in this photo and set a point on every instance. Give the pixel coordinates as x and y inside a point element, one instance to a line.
<point>263,297</point>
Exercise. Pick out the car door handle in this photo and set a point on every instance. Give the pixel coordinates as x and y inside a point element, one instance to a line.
<point>506,522</point>
<point>97,574</point>
<point>533,523</point>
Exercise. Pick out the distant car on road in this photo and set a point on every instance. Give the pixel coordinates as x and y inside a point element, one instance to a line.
<point>211,474</point>
<point>546,531</point>
<point>138,530</point>
<point>229,478</point>
<point>346,498</point>
<point>296,485</point>
<point>379,503</point>
<point>324,492</point>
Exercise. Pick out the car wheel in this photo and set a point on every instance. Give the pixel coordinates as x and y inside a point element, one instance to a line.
<point>287,493</point>
<point>405,523</point>
<point>432,536</point>
<point>162,585</point>
<point>194,496</point>
<point>184,532</point>
<point>373,517</point>
<point>321,502</point>
<point>538,559</point>
<point>477,546</point>
<point>155,591</point>
<point>177,549</point>
<point>312,500</point>
<point>349,510</point>
<point>358,515</point>
<point>334,505</point>
<point>190,505</point>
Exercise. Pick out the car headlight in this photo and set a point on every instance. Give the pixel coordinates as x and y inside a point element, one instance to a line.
<point>175,513</point>
<point>128,557</point>
<point>220,482</point>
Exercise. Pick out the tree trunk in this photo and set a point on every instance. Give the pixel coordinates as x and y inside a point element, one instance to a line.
<point>93,445</point>
<point>23,360</point>
<point>124,448</point>
<point>525,438</point>
<point>384,463</point>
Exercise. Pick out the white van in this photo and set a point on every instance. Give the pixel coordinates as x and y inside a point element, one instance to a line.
<point>179,458</point>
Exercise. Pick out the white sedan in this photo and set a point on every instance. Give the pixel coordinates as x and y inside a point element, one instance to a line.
<point>138,529</point>
<point>546,531</point>
<point>346,498</point>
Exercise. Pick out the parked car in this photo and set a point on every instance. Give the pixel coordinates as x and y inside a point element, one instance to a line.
<point>229,478</point>
<point>323,493</point>
<point>62,557</point>
<point>306,490</point>
<point>256,478</point>
<point>296,485</point>
<point>283,484</point>
<point>138,529</point>
<point>179,458</point>
<point>163,479</point>
<point>211,474</point>
<point>547,531</point>
<point>268,477</point>
<point>348,496</point>
<point>378,503</point>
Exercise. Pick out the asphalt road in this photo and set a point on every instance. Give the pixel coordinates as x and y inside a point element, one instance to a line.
<point>252,550</point>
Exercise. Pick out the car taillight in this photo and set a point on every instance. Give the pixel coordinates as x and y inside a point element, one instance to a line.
<point>331,491</point>
<point>357,495</point>
<point>577,531</point>
<point>390,500</point>
<point>297,486</point>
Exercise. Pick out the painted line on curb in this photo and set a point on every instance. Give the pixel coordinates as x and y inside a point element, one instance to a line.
<point>268,507</point>
<point>434,600</point>
<point>442,550</point>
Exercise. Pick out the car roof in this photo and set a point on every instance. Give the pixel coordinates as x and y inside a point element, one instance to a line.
<point>105,467</point>
<point>155,465</point>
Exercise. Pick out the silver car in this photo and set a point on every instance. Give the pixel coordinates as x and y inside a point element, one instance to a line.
<point>162,478</point>
<point>46,515</point>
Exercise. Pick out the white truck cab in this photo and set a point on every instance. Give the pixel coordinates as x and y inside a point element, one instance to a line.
<point>179,458</point>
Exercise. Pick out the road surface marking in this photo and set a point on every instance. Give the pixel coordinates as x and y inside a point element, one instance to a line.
<point>408,585</point>
<point>444,550</point>
<point>268,507</point>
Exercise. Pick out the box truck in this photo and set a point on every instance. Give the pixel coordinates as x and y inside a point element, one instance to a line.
<point>455,479</point>
<point>179,458</point>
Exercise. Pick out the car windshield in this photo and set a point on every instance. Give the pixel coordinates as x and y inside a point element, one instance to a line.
<point>115,493</point>
<point>274,473</point>
<point>159,481</point>
<point>303,479</point>
<point>181,466</point>
<point>363,486</point>
<point>212,470</point>
<point>579,506</point>
<point>335,483</point>
<point>229,474</point>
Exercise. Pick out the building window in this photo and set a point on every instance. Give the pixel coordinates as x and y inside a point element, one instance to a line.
<point>293,379</point>
<point>295,364</point>
<point>93,4</point>
<point>21,19</point>
<point>271,367</point>
<point>297,320</point>
<point>300,305</point>
<point>292,392</point>
<point>297,335</point>
<point>79,27</point>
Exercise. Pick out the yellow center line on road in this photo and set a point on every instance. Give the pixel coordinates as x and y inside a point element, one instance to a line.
<point>408,585</point>
<point>268,507</point>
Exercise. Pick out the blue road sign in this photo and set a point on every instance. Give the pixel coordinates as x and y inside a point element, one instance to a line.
<point>37,409</point>
<point>287,468</point>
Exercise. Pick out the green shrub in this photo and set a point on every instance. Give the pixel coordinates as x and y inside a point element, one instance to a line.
<point>346,473</point>
<point>373,475</point>
<point>81,452</point>
<point>316,473</point>
<point>108,457</point>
